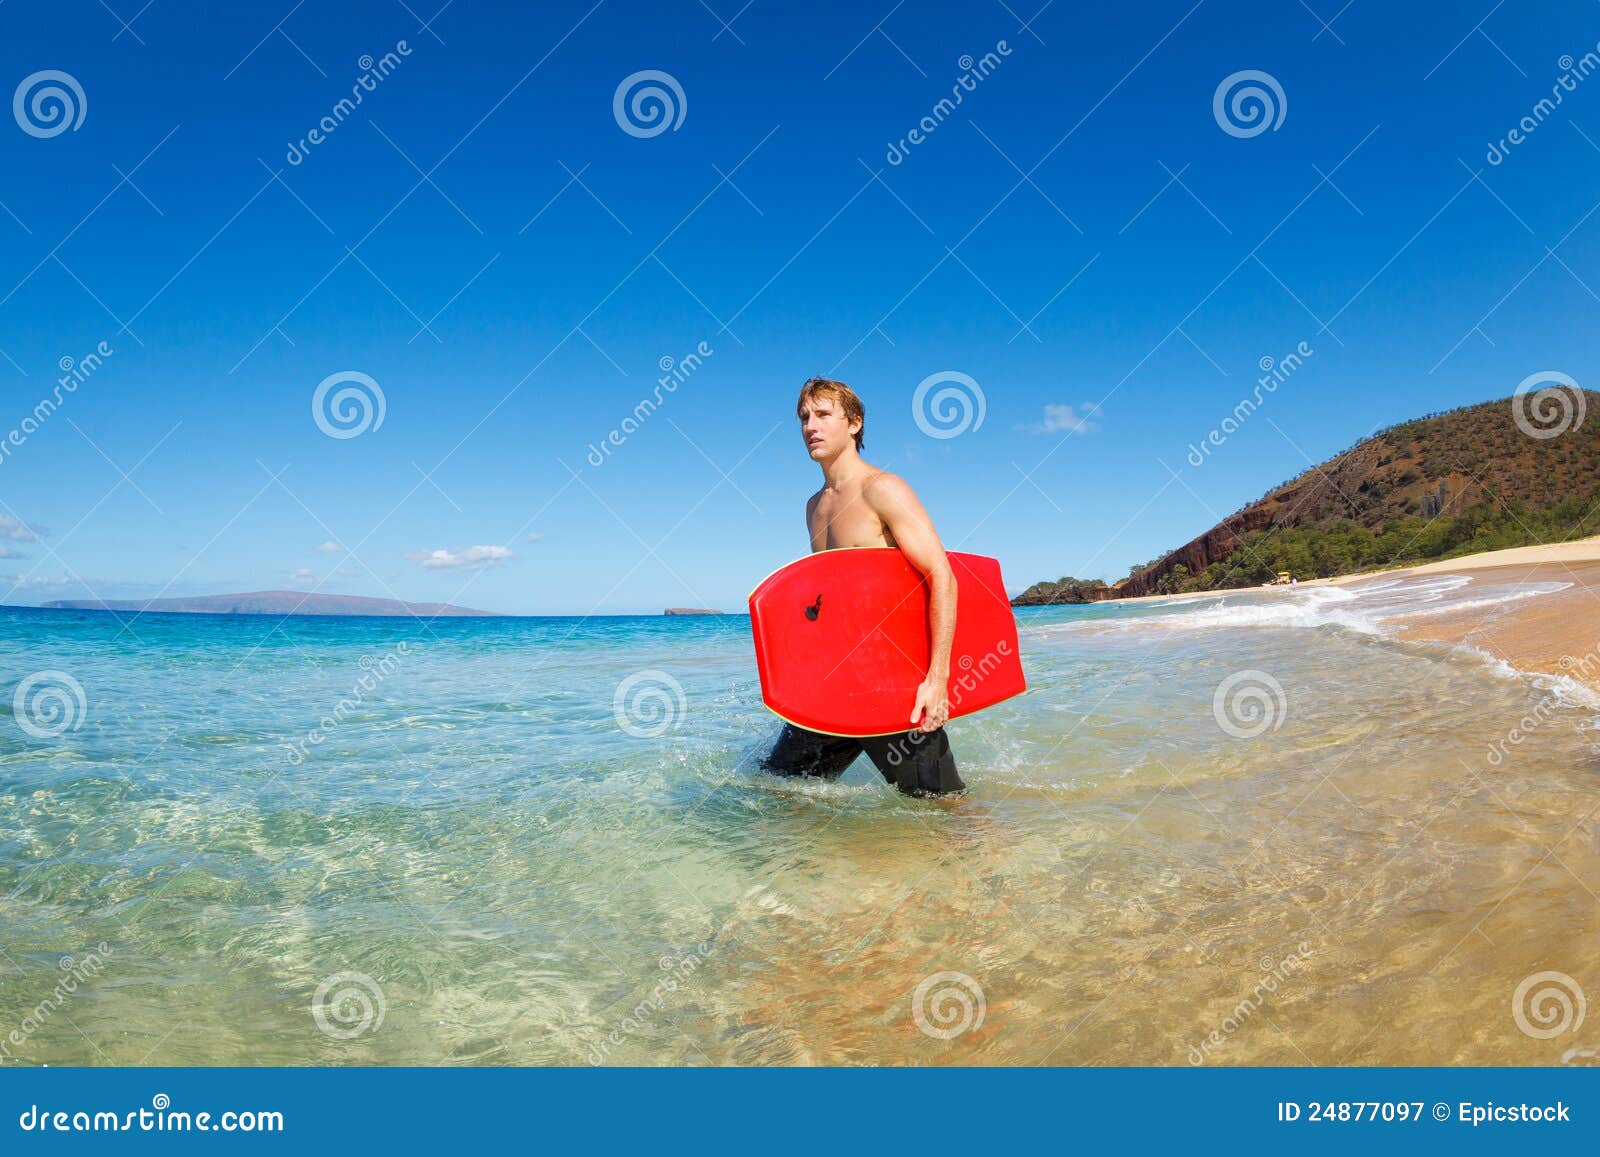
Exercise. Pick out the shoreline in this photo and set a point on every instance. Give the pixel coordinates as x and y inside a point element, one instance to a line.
<point>1555,634</point>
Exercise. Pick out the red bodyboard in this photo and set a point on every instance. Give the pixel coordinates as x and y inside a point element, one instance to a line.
<point>842,642</point>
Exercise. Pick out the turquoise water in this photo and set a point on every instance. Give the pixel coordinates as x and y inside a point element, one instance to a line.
<point>240,840</point>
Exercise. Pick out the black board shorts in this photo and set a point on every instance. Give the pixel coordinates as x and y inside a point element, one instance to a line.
<point>916,762</point>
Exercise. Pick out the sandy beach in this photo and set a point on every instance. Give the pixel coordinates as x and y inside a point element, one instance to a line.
<point>1553,634</point>
<point>1550,634</point>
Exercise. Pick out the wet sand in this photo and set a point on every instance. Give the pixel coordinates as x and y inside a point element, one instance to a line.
<point>1554,634</point>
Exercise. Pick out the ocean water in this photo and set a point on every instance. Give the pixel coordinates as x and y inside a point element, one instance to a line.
<point>1252,829</point>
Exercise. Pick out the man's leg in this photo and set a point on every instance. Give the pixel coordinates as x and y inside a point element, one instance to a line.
<point>916,762</point>
<point>802,752</point>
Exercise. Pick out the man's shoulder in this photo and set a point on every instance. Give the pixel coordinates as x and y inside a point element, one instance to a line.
<point>885,484</point>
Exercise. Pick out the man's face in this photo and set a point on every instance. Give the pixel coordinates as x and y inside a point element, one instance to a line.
<point>824,429</point>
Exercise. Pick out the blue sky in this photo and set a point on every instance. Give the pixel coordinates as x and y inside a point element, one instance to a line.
<point>483,239</point>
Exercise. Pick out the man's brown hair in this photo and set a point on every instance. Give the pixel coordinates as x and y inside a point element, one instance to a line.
<point>853,408</point>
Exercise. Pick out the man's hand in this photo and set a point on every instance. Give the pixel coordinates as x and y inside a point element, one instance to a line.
<point>933,703</point>
<point>912,531</point>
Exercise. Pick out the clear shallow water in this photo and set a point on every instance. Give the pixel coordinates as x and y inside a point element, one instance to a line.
<point>1325,865</point>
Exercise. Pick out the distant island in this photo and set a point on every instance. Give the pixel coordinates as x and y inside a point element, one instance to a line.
<point>1473,479</point>
<point>688,611</point>
<point>270,603</point>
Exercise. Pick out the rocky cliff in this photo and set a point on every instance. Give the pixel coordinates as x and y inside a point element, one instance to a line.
<point>1494,474</point>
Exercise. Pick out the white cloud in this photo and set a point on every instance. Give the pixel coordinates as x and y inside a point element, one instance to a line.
<point>7,552</point>
<point>536,536</point>
<point>330,548</point>
<point>303,575</point>
<point>22,580</point>
<point>15,529</point>
<point>1063,419</point>
<point>472,558</point>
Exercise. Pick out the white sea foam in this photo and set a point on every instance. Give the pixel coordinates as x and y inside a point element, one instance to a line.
<point>1376,607</point>
<point>1369,608</point>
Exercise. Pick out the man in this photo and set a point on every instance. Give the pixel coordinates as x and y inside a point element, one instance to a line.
<point>860,505</point>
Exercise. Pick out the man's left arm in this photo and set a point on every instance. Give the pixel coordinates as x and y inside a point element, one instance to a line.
<point>896,503</point>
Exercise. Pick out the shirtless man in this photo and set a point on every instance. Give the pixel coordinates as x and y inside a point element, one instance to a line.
<point>860,505</point>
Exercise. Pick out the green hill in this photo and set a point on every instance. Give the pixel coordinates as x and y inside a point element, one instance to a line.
<point>1443,485</point>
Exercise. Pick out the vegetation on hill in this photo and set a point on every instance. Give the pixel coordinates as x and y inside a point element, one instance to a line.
<point>1339,546</point>
<point>1063,590</point>
<point>1435,487</point>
